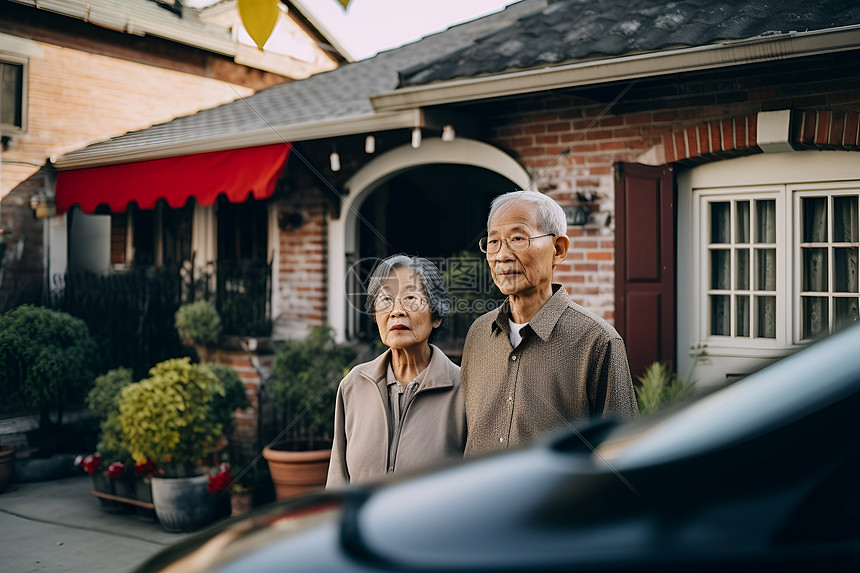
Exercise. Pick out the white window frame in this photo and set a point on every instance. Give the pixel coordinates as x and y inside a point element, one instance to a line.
<point>790,174</point>
<point>798,193</point>
<point>741,346</point>
<point>6,58</point>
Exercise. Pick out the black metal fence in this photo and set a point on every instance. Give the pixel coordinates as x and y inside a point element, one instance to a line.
<point>130,313</point>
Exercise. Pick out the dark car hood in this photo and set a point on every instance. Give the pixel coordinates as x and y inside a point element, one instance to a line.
<point>753,474</point>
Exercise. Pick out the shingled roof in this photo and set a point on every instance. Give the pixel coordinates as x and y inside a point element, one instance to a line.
<point>531,34</point>
<point>570,30</point>
<point>341,93</point>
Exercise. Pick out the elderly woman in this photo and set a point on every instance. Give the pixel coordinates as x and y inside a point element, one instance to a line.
<point>404,410</point>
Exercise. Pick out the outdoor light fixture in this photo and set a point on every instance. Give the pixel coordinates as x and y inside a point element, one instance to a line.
<point>43,206</point>
<point>369,144</point>
<point>448,133</point>
<point>416,137</point>
<point>334,160</point>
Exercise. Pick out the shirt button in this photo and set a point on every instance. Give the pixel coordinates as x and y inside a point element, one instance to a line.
<point>391,468</point>
<point>501,440</point>
<point>514,357</point>
<point>510,398</point>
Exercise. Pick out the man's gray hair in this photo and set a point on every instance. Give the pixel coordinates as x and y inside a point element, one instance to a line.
<point>549,218</point>
<point>431,280</point>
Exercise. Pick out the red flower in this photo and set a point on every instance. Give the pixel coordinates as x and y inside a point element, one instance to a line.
<point>146,469</point>
<point>115,470</point>
<point>90,463</point>
<point>219,482</point>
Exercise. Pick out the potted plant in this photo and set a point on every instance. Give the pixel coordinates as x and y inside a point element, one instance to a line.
<point>199,325</point>
<point>249,478</point>
<point>167,420</point>
<point>103,400</point>
<point>306,376</point>
<point>46,366</point>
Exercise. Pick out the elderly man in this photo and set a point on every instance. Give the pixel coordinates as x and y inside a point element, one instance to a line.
<point>540,361</point>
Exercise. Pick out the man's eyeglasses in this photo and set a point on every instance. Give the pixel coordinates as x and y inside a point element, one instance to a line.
<point>409,303</point>
<point>515,243</point>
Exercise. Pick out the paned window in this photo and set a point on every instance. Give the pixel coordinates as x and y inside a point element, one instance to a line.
<point>743,268</point>
<point>11,96</point>
<point>829,235</point>
<point>745,253</point>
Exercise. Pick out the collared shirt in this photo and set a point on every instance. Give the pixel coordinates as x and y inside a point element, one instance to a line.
<point>399,399</point>
<point>571,365</point>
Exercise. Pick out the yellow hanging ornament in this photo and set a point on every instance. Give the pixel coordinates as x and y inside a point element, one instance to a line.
<point>259,18</point>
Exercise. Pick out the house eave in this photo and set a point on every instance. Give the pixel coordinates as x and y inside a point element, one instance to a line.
<point>760,49</point>
<point>214,40</point>
<point>269,135</point>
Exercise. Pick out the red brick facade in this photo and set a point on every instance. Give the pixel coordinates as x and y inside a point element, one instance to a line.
<point>570,144</point>
<point>300,286</point>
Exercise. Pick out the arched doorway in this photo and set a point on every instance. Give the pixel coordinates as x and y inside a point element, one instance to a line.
<point>437,212</point>
<point>432,211</point>
<point>430,202</point>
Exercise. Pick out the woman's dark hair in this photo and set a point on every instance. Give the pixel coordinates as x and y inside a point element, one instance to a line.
<point>431,280</point>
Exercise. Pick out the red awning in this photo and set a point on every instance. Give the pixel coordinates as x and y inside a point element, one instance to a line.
<point>235,173</point>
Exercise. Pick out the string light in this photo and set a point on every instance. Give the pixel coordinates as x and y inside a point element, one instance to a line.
<point>369,144</point>
<point>416,137</point>
<point>334,160</point>
<point>448,133</point>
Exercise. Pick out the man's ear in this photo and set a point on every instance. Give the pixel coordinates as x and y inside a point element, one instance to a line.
<point>562,246</point>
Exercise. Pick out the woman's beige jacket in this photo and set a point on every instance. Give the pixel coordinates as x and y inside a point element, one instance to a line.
<point>433,428</point>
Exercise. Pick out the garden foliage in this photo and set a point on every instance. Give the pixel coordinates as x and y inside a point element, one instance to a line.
<point>306,376</point>
<point>47,361</point>
<point>166,418</point>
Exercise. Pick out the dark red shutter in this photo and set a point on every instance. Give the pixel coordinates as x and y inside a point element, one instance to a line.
<point>645,263</point>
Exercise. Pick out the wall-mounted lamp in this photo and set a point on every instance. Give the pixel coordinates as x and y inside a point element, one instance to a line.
<point>369,144</point>
<point>334,160</point>
<point>448,133</point>
<point>290,220</point>
<point>43,206</point>
<point>416,137</point>
<point>578,216</point>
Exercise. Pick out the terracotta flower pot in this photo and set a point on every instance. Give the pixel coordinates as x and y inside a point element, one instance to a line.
<point>295,473</point>
<point>7,463</point>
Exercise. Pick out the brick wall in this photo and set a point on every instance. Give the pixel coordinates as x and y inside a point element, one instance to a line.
<point>21,268</point>
<point>246,420</point>
<point>300,285</point>
<point>570,143</point>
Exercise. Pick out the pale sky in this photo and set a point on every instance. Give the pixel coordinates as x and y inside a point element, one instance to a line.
<point>368,26</point>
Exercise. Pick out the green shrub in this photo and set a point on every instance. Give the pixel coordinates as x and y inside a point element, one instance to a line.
<point>659,387</point>
<point>224,407</point>
<point>103,399</point>
<point>46,361</point>
<point>166,418</point>
<point>198,322</point>
<point>306,376</point>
